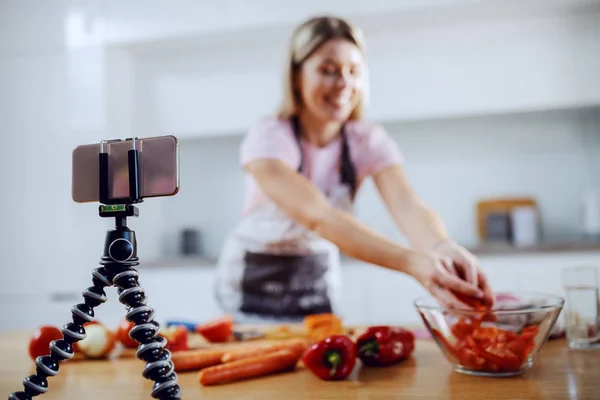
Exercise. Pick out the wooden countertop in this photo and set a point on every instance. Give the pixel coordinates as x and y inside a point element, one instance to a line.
<point>558,374</point>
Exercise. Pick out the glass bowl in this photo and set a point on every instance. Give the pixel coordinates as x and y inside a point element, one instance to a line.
<point>500,342</point>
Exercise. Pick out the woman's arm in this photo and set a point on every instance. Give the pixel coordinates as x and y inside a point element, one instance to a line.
<point>425,230</point>
<point>422,226</point>
<point>306,205</point>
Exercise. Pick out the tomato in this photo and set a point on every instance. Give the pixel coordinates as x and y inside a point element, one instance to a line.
<point>529,333</point>
<point>518,347</point>
<point>177,338</point>
<point>529,348</point>
<point>462,329</point>
<point>488,348</point>
<point>473,302</point>
<point>470,359</point>
<point>123,334</point>
<point>217,330</point>
<point>451,349</point>
<point>39,343</point>
<point>469,342</point>
<point>499,355</point>
<point>486,335</point>
<point>506,336</point>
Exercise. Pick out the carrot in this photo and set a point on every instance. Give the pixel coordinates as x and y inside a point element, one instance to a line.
<point>297,346</point>
<point>270,363</point>
<point>188,360</point>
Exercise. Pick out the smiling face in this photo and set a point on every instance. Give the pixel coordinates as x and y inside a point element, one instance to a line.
<point>330,81</point>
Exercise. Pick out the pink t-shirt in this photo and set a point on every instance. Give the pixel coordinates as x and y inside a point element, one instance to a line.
<point>371,150</point>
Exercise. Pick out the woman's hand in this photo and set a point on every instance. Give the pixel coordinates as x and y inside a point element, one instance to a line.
<point>438,275</point>
<point>466,266</point>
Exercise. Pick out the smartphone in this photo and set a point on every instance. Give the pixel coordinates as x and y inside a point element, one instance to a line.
<point>158,168</point>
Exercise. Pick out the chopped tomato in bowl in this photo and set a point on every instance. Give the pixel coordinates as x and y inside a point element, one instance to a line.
<point>498,342</point>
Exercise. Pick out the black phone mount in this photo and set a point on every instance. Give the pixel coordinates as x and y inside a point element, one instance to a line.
<point>117,269</point>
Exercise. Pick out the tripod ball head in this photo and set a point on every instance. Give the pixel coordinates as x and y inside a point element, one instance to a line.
<point>120,250</point>
<point>120,245</point>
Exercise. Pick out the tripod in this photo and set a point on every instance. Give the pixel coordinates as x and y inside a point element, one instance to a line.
<point>117,269</point>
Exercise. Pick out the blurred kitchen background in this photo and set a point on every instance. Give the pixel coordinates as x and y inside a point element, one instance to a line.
<point>495,105</point>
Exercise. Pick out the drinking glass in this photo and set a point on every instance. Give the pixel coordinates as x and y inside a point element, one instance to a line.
<point>582,307</point>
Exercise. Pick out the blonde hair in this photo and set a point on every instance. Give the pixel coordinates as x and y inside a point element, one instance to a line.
<point>307,38</point>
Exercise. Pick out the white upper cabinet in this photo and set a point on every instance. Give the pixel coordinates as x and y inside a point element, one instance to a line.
<point>457,61</point>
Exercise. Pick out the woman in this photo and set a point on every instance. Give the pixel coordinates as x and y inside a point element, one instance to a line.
<point>303,170</point>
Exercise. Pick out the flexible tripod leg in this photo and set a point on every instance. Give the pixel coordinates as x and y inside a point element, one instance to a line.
<point>119,259</point>
<point>62,349</point>
<point>120,256</point>
<point>159,366</point>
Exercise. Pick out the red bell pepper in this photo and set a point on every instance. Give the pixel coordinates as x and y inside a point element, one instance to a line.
<point>384,345</point>
<point>332,358</point>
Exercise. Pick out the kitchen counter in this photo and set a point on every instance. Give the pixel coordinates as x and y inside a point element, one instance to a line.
<point>579,245</point>
<point>562,246</point>
<point>557,374</point>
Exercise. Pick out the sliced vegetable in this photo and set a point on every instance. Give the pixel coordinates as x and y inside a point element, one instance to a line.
<point>485,335</point>
<point>218,330</point>
<point>453,350</point>
<point>270,363</point>
<point>529,333</point>
<point>384,345</point>
<point>332,358</point>
<point>472,302</point>
<point>463,328</point>
<point>177,338</point>
<point>488,348</point>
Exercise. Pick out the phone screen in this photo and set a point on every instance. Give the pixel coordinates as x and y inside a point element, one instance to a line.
<point>159,168</point>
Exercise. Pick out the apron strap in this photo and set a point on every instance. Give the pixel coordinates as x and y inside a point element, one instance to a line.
<point>296,128</point>
<point>347,170</point>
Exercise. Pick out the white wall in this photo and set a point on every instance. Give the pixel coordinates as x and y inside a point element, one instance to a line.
<point>453,164</point>
<point>551,156</point>
<point>52,98</point>
<point>45,238</point>
<point>459,68</point>
<point>486,88</point>
<point>60,87</point>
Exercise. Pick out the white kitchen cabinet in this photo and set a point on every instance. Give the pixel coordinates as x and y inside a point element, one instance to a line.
<point>29,312</point>
<point>354,302</point>
<point>375,295</point>
<point>185,293</point>
<point>391,297</point>
<point>174,293</point>
<point>370,294</point>
<point>415,74</point>
<point>536,272</point>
